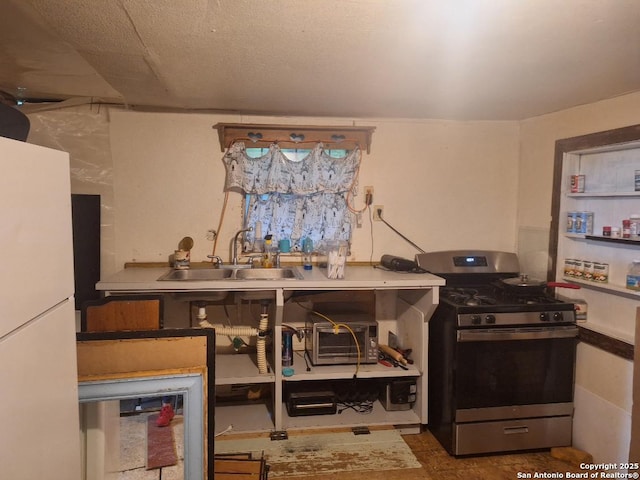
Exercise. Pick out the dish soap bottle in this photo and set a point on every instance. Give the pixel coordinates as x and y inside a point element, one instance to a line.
<point>267,258</point>
<point>307,250</point>
<point>633,276</point>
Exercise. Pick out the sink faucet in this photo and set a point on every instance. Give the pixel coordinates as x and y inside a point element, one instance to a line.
<point>234,260</point>
<point>215,259</point>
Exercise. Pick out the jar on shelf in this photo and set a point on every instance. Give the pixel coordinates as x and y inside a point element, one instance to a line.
<point>633,275</point>
<point>634,226</point>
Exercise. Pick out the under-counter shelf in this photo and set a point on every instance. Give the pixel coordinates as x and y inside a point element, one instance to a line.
<point>349,418</point>
<point>239,368</point>
<point>338,372</point>
<point>244,417</point>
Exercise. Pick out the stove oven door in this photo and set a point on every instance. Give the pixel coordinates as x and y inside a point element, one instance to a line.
<point>514,388</point>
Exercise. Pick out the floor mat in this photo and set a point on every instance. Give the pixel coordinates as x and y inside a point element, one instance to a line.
<point>161,448</point>
<point>324,453</point>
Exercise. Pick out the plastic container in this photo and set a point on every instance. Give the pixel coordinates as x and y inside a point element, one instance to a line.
<point>287,348</point>
<point>307,251</point>
<point>635,226</point>
<point>269,253</point>
<point>571,222</point>
<point>633,275</point>
<point>336,259</point>
<point>584,223</point>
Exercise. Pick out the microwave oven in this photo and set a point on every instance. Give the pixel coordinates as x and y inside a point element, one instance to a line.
<point>329,345</point>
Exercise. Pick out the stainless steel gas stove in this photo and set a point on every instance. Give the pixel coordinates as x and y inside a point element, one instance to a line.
<point>501,357</point>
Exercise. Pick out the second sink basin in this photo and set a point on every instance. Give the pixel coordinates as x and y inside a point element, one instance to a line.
<point>194,274</point>
<point>268,274</point>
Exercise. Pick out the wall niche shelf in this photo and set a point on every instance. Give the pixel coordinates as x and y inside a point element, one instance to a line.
<point>603,194</point>
<point>605,287</point>
<point>610,162</point>
<point>629,242</point>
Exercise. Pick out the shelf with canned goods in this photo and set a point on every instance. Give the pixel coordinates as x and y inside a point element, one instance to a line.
<point>605,287</point>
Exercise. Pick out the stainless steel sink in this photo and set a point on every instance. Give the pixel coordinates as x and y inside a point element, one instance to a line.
<point>197,274</point>
<point>268,274</point>
<point>207,274</point>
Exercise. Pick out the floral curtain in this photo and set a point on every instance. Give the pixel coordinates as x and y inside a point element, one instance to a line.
<point>291,199</point>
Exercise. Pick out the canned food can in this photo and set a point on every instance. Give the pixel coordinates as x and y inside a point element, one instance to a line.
<point>568,267</point>
<point>601,272</point>
<point>587,270</point>
<point>577,183</point>
<point>615,232</point>
<point>606,231</point>
<point>581,308</point>
<point>571,222</point>
<point>578,269</point>
<point>181,259</point>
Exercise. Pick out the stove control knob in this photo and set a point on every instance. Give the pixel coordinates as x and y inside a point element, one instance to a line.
<point>476,320</point>
<point>490,318</point>
<point>544,316</point>
<point>557,316</point>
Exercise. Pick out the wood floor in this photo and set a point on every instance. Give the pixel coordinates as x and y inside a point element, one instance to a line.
<point>437,464</point>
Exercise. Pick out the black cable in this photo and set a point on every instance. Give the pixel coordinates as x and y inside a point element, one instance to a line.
<point>398,233</point>
<point>364,408</point>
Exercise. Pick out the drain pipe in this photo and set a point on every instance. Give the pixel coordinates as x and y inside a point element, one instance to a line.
<point>260,332</point>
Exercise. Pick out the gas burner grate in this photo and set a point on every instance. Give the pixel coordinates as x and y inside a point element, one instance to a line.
<point>468,296</point>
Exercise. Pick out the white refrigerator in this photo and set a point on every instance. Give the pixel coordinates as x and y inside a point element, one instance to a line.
<point>39,424</point>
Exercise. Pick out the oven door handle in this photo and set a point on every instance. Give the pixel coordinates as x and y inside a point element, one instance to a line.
<point>533,333</point>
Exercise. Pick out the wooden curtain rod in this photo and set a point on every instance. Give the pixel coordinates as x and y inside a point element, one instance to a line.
<point>277,141</point>
<point>292,135</point>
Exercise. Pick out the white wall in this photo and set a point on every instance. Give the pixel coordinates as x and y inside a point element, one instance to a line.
<point>442,184</point>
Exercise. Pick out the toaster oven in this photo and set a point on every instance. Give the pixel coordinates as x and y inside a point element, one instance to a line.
<point>329,343</point>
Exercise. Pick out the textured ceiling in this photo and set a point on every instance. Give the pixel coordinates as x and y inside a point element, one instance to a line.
<point>440,59</point>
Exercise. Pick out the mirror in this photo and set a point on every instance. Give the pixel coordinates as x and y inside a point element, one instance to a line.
<point>144,366</point>
<point>114,443</point>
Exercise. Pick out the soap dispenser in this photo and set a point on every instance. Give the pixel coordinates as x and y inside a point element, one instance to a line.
<point>267,258</point>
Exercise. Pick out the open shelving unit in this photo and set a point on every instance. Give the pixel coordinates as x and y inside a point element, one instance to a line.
<point>610,162</point>
<point>403,312</point>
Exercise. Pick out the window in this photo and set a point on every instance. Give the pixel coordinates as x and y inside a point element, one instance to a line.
<point>294,193</point>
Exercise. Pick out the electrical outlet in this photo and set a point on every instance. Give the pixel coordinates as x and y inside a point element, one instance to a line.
<point>377,213</point>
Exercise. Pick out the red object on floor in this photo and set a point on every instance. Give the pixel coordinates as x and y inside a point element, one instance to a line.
<point>166,415</point>
<point>161,449</point>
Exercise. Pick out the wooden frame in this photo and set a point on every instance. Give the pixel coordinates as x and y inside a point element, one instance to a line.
<point>122,312</point>
<point>294,136</point>
<point>104,356</point>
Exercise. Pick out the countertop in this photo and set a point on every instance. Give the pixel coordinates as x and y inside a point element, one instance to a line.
<point>356,278</point>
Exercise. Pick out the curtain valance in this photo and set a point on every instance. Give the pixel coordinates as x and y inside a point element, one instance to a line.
<point>273,172</point>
